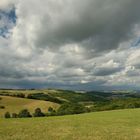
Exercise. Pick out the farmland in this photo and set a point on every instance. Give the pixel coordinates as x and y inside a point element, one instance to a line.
<point>14,104</point>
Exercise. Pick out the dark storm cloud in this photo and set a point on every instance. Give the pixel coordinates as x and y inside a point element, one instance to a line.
<point>106,71</point>
<point>96,24</point>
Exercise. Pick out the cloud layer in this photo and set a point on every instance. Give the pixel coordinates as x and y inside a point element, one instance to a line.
<point>90,44</point>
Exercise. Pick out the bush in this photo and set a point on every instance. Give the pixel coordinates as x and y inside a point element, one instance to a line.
<point>7,115</point>
<point>20,95</point>
<point>51,112</point>
<point>2,107</point>
<point>24,114</point>
<point>38,113</point>
<point>14,115</point>
<point>50,109</point>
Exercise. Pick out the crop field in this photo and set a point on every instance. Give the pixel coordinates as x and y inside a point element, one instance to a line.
<point>14,104</point>
<point>107,125</point>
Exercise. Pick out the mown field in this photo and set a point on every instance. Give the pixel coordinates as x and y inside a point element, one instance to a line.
<point>107,125</point>
<point>14,105</point>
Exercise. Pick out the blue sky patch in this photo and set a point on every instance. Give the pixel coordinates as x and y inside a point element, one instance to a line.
<point>7,21</point>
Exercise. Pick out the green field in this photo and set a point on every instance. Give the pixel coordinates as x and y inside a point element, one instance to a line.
<point>14,105</point>
<point>108,125</point>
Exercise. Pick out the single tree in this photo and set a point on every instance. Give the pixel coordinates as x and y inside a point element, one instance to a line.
<point>51,112</point>
<point>14,115</point>
<point>7,115</point>
<point>50,109</point>
<point>38,113</point>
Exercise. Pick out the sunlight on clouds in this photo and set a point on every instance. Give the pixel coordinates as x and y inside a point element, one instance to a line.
<point>71,43</point>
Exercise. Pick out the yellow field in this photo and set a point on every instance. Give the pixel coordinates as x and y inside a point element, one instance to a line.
<point>14,104</point>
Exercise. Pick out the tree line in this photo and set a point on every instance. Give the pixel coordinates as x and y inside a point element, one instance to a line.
<point>64,109</point>
<point>24,113</point>
<point>36,96</point>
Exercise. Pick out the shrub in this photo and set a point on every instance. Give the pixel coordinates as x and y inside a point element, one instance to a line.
<point>51,112</point>
<point>7,115</point>
<point>14,115</point>
<point>20,95</point>
<point>2,107</point>
<point>24,114</point>
<point>50,109</point>
<point>38,113</point>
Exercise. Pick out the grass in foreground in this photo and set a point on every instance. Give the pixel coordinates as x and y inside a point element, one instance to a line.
<point>14,105</point>
<point>108,125</point>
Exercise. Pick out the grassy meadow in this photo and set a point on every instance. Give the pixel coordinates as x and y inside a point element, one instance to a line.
<point>107,125</point>
<point>14,105</point>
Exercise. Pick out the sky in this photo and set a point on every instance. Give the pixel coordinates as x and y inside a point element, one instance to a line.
<point>70,44</point>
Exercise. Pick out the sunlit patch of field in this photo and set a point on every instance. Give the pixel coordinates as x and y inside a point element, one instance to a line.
<point>14,104</point>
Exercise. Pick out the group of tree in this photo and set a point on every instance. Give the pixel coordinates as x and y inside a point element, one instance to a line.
<point>64,109</point>
<point>18,95</point>
<point>37,96</point>
<point>45,97</point>
<point>71,108</point>
<point>26,114</point>
<point>115,104</point>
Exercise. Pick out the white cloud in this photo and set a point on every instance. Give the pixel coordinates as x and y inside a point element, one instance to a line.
<point>71,42</point>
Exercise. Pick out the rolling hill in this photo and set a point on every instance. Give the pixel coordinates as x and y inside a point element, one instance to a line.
<point>14,104</point>
<point>91,101</point>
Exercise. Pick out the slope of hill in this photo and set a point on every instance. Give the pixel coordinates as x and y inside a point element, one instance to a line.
<point>93,101</point>
<point>14,104</point>
<point>61,95</point>
<point>108,125</point>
